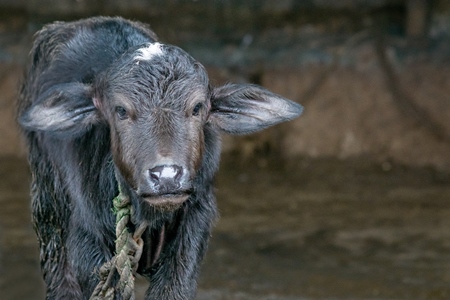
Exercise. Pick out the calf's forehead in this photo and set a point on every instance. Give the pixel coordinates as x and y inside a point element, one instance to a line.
<point>161,73</point>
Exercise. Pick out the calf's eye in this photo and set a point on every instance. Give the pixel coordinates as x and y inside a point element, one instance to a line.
<point>121,113</point>
<point>197,108</point>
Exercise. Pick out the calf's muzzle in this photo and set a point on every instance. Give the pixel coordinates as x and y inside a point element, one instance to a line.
<point>165,186</point>
<point>166,179</point>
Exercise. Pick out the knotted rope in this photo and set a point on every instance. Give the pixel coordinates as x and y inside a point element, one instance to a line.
<point>125,262</point>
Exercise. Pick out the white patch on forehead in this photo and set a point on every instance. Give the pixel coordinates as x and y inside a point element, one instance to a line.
<point>147,53</point>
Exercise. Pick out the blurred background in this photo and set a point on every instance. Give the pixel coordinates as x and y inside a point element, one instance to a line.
<point>350,201</point>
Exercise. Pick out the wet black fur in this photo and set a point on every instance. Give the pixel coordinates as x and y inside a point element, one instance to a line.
<point>73,168</point>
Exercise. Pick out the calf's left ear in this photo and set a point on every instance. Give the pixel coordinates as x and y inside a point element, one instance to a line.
<point>247,108</point>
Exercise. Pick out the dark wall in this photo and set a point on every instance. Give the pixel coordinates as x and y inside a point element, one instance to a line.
<point>372,83</point>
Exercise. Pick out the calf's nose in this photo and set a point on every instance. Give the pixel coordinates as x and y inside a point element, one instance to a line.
<point>166,178</point>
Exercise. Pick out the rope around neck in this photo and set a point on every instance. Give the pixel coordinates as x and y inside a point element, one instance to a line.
<point>125,262</point>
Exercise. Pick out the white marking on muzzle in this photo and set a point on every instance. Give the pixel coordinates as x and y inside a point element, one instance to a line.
<point>147,53</point>
<point>168,172</point>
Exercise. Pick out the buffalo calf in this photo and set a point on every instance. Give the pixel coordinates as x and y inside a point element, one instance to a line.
<point>105,105</point>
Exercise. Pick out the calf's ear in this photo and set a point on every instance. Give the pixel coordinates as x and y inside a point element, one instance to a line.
<point>246,108</point>
<point>65,108</point>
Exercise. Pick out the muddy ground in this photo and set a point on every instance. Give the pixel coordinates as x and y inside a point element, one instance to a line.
<point>302,229</point>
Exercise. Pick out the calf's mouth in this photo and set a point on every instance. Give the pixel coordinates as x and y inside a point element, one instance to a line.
<point>166,201</point>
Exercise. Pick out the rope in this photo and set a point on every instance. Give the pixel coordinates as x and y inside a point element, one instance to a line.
<point>125,262</point>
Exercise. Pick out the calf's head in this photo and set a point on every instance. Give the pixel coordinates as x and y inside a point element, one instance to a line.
<point>158,104</point>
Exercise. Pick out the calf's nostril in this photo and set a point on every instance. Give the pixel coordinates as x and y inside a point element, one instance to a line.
<point>154,176</point>
<point>178,172</point>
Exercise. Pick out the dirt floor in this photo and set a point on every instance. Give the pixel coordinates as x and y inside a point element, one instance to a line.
<point>304,229</point>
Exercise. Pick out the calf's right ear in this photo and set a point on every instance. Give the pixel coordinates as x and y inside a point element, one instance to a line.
<point>64,109</point>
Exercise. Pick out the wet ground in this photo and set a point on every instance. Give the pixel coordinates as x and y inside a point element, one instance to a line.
<point>313,229</point>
